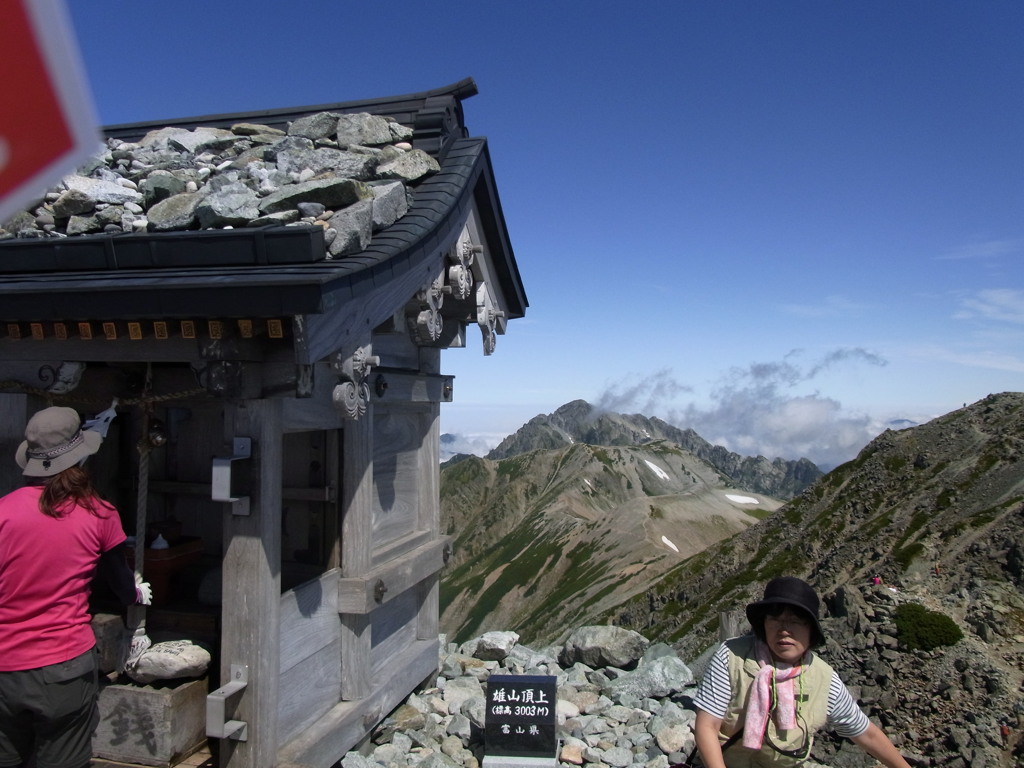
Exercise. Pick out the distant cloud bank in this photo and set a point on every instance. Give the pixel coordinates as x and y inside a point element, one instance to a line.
<point>763,409</point>
<point>478,445</point>
<point>756,410</point>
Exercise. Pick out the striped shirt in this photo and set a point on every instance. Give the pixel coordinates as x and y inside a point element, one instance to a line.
<point>715,693</point>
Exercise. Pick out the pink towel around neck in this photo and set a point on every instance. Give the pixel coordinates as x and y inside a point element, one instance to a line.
<point>759,706</point>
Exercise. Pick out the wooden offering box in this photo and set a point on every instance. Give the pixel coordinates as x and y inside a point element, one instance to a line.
<point>148,725</point>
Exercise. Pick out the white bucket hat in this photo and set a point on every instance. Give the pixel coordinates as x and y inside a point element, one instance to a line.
<point>54,441</point>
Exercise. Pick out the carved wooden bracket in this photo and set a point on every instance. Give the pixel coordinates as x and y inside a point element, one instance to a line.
<point>352,393</point>
<point>487,317</point>
<point>460,276</point>
<point>424,313</point>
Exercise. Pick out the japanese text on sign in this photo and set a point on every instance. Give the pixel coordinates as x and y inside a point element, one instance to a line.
<point>520,717</point>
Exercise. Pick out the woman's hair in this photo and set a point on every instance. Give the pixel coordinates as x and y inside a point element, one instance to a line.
<point>67,488</point>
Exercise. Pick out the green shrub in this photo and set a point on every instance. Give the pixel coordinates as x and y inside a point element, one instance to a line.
<point>919,628</point>
<point>905,555</point>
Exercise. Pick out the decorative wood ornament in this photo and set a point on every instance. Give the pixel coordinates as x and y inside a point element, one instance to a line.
<point>428,323</point>
<point>460,276</point>
<point>352,393</point>
<point>487,317</point>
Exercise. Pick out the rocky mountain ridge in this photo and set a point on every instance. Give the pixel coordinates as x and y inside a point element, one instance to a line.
<point>580,422</point>
<point>553,537</point>
<point>585,508</point>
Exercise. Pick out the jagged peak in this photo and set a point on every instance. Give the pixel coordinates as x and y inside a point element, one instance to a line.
<point>579,421</point>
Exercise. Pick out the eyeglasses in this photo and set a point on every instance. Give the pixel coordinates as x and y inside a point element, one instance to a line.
<point>787,622</point>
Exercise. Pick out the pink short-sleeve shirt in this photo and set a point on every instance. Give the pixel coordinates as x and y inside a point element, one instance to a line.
<point>46,571</point>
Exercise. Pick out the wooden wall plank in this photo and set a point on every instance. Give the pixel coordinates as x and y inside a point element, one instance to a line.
<point>394,629</point>
<point>356,531</point>
<point>251,584</point>
<point>309,689</point>
<point>428,620</point>
<point>396,469</point>
<point>345,725</point>
<point>309,619</point>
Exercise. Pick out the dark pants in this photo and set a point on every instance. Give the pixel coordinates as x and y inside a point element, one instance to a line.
<point>48,715</point>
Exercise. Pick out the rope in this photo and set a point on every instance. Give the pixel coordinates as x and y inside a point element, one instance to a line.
<point>142,500</point>
<point>139,640</point>
<point>143,401</point>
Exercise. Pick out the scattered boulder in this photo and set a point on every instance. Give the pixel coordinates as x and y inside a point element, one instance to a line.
<point>332,193</point>
<point>492,646</point>
<point>322,125</point>
<point>603,646</point>
<point>73,202</point>
<point>409,166</point>
<point>177,212</point>
<point>363,129</point>
<point>101,190</point>
<point>232,205</point>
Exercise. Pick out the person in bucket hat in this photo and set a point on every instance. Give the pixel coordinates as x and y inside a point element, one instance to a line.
<point>765,695</point>
<point>54,441</point>
<point>56,534</point>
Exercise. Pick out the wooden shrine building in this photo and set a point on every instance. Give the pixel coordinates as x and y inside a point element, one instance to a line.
<point>278,396</point>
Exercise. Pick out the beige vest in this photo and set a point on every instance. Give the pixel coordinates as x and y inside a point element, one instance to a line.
<point>811,691</point>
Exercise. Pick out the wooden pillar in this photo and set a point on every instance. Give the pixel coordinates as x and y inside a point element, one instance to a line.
<point>13,417</point>
<point>356,549</point>
<point>430,520</point>
<point>250,632</point>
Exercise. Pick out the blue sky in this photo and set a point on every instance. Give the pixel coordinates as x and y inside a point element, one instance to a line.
<point>781,223</point>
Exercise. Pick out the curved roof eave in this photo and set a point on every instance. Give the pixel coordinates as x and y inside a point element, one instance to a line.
<point>403,108</point>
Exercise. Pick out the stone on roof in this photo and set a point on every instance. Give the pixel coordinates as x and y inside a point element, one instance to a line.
<point>351,174</point>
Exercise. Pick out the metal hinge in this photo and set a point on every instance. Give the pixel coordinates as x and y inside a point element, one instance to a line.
<point>220,490</point>
<point>217,724</point>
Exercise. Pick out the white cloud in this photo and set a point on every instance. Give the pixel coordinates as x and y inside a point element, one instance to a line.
<point>996,361</point>
<point>999,304</point>
<point>478,445</point>
<point>760,410</point>
<point>831,306</point>
<point>990,249</point>
<point>646,395</point>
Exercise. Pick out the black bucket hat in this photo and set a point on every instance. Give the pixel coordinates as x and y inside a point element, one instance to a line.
<point>791,591</point>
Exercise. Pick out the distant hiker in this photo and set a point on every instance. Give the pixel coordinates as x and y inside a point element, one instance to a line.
<point>765,695</point>
<point>876,580</point>
<point>938,568</point>
<point>1004,733</point>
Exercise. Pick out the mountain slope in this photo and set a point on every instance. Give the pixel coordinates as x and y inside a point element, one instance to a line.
<point>580,422</point>
<point>549,538</point>
<point>937,512</point>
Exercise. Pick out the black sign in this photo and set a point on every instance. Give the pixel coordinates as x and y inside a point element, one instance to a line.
<point>520,719</point>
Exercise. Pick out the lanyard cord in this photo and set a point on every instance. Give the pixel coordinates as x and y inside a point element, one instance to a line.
<point>804,751</point>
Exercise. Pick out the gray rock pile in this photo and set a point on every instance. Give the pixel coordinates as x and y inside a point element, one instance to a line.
<point>349,174</point>
<point>622,702</point>
<point>941,707</point>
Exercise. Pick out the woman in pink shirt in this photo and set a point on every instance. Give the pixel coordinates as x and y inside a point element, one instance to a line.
<point>56,533</point>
